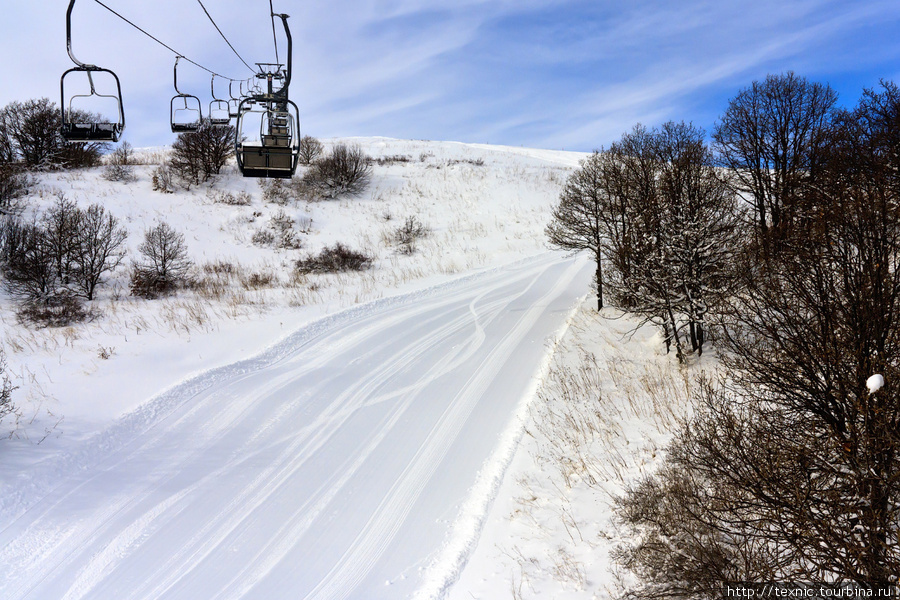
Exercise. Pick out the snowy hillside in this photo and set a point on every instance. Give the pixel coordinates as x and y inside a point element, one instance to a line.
<point>485,206</point>
<point>267,434</point>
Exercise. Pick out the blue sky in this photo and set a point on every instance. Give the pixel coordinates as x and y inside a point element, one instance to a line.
<point>562,74</point>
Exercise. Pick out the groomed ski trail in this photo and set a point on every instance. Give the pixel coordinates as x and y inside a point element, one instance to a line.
<point>332,467</point>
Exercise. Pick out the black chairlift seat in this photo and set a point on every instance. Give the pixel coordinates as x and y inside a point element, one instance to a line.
<point>91,132</point>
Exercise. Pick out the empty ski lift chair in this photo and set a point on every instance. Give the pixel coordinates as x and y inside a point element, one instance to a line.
<point>219,113</point>
<point>185,112</point>
<point>73,129</point>
<point>276,153</point>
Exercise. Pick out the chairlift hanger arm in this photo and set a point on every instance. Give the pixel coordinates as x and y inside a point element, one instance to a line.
<point>80,64</point>
<point>175,76</point>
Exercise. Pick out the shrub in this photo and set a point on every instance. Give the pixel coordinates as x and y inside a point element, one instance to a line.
<point>336,259</point>
<point>14,184</point>
<point>119,165</point>
<point>275,191</point>
<point>280,233</point>
<point>59,309</point>
<point>6,389</point>
<point>231,199</point>
<point>345,172</point>
<point>407,235</point>
<point>165,265</point>
<point>310,149</point>
<point>199,155</point>
<point>163,179</point>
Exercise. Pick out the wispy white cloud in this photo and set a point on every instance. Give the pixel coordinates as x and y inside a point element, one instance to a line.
<point>555,73</point>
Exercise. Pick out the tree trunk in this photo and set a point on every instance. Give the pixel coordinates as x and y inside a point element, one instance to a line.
<point>599,276</point>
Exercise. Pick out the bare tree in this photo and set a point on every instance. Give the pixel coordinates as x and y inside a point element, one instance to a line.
<point>310,149</point>
<point>165,263</point>
<point>580,221</point>
<point>791,470</point>
<point>771,137</point>
<point>653,207</point>
<point>61,226</point>
<point>199,155</point>
<point>100,248</point>
<point>27,261</point>
<point>30,133</point>
<point>118,165</point>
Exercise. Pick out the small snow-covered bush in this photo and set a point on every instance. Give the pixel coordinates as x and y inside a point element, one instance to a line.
<point>230,198</point>
<point>275,191</point>
<point>407,235</point>
<point>163,179</point>
<point>279,233</point>
<point>119,165</point>
<point>59,309</point>
<point>335,259</point>
<point>6,389</point>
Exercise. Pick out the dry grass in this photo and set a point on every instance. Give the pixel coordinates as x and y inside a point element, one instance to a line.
<point>601,418</point>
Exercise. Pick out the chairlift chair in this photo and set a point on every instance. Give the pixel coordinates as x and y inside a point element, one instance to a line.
<point>219,113</point>
<point>188,105</point>
<point>277,151</point>
<point>73,129</point>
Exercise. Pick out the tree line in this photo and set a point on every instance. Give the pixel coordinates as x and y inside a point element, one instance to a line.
<point>782,238</point>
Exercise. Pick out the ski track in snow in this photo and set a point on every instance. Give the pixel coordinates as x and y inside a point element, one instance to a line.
<point>320,470</point>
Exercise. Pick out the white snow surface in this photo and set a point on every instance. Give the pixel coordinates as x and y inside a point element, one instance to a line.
<point>320,437</point>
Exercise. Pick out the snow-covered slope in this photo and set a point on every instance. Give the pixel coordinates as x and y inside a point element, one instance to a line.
<point>310,436</point>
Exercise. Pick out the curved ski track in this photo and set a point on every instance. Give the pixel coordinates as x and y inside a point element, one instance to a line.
<point>333,472</point>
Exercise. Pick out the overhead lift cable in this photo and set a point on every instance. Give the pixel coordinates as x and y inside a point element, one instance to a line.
<point>274,37</point>
<point>164,45</point>
<point>225,38</point>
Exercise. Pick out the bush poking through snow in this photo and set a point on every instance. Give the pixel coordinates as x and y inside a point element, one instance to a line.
<point>230,198</point>
<point>59,309</point>
<point>163,179</point>
<point>165,265</point>
<point>310,149</point>
<point>407,235</point>
<point>279,233</point>
<point>344,172</point>
<point>6,389</point>
<point>119,164</point>
<point>15,183</point>
<point>336,259</point>
<point>275,191</point>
